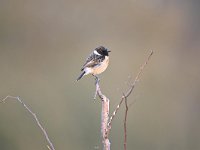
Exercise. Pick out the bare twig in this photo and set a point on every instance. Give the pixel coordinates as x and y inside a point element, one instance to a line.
<point>114,112</point>
<point>97,87</point>
<point>104,116</point>
<point>125,120</point>
<point>129,91</point>
<point>50,146</point>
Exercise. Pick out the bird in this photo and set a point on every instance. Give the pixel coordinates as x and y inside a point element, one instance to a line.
<point>96,63</point>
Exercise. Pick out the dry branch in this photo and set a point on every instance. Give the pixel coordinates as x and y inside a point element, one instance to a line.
<point>124,98</point>
<point>106,122</point>
<point>50,146</point>
<point>129,91</point>
<point>125,121</point>
<point>104,116</point>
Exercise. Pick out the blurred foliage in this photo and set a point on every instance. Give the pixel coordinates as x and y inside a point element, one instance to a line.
<point>43,44</point>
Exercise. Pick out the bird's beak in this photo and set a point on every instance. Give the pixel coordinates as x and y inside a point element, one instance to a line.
<point>109,51</point>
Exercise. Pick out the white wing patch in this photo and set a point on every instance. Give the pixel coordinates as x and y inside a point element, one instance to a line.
<point>95,52</point>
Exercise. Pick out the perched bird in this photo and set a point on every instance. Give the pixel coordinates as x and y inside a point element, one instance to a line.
<point>96,63</point>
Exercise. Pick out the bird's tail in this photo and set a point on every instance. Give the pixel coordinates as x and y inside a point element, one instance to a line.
<point>82,74</point>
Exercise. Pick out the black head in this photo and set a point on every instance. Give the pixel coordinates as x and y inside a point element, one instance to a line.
<point>102,50</point>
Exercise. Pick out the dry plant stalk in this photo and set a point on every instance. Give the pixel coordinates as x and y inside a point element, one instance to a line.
<point>106,121</point>
<point>125,122</point>
<point>104,116</point>
<point>50,146</point>
<point>129,91</point>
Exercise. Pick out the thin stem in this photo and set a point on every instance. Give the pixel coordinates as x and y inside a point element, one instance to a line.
<point>50,146</point>
<point>125,122</point>
<point>130,90</point>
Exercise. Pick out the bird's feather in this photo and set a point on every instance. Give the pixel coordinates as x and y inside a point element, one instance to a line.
<point>93,60</point>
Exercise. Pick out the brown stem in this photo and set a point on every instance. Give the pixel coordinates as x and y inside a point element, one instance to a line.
<point>125,121</point>
<point>130,90</point>
<point>50,146</point>
<point>104,116</point>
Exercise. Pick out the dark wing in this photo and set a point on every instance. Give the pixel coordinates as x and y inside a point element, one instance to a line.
<point>93,60</point>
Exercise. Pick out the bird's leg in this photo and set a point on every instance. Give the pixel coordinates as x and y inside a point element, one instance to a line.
<point>96,84</point>
<point>96,79</point>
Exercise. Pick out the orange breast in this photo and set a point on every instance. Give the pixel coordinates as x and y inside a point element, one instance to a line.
<point>101,68</point>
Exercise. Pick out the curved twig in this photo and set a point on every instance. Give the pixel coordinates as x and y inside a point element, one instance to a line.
<point>50,146</point>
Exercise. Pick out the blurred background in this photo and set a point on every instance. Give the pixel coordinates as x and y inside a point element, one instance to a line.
<point>43,44</point>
